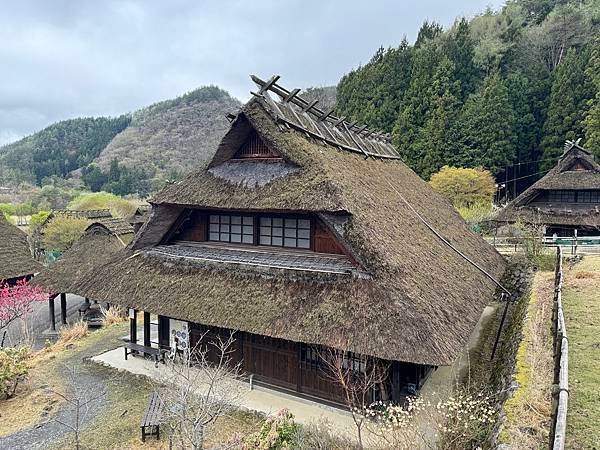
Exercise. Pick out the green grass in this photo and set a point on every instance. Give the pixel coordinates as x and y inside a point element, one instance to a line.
<point>534,363</point>
<point>581,302</point>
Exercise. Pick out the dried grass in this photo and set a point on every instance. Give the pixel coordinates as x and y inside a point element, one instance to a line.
<point>72,333</point>
<point>114,315</point>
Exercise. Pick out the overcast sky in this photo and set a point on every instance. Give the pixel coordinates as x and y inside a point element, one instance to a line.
<point>61,59</point>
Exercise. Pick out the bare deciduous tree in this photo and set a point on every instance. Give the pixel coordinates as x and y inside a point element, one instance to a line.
<point>80,400</point>
<point>358,376</point>
<point>198,389</point>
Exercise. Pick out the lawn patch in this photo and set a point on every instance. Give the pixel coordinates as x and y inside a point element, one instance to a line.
<point>581,303</point>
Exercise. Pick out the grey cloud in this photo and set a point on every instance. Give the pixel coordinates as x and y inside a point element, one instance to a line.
<point>69,58</point>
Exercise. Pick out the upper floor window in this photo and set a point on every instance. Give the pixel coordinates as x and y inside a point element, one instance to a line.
<point>588,196</point>
<point>284,232</point>
<point>231,228</point>
<point>561,196</point>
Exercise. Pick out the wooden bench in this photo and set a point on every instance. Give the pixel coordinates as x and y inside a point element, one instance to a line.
<point>152,417</point>
<point>155,353</point>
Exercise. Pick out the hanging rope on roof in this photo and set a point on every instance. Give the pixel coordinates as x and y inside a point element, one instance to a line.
<point>466,258</point>
<point>448,243</point>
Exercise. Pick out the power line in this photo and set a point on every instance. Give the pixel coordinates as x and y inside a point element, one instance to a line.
<point>526,176</point>
<point>530,162</point>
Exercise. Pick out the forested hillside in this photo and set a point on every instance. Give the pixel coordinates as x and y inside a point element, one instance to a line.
<point>132,153</point>
<point>502,90</point>
<point>58,149</point>
<point>169,138</point>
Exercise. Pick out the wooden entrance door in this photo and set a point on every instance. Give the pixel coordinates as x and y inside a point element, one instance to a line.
<point>274,361</point>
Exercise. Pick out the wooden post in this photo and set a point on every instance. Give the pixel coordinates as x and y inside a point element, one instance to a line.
<point>133,325</point>
<point>147,342</point>
<point>63,308</point>
<point>575,241</point>
<point>52,315</point>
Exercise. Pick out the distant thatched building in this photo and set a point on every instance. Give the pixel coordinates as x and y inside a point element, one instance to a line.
<point>139,217</point>
<point>565,199</point>
<point>298,237</point>
<point>101,240</point>
<point>16,261</point>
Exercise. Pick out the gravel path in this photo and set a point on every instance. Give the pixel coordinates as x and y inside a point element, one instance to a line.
<point>45,434</point>
<point>88,379</point>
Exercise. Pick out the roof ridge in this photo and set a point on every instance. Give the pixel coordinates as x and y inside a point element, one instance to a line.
<point>295,112</point>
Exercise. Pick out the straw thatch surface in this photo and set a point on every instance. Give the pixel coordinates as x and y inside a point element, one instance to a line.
<point>561,177</point>
<point>420,305</point>
<point>15,255</point>
<point>96,247</point>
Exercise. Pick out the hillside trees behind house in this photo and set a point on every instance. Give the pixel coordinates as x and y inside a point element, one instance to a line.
<point>169,137</point>
<point>502,90</point>
<point>135,153</point>
<point>59,149</point>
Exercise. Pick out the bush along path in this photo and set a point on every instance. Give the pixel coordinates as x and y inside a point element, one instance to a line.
<point>66,374</point>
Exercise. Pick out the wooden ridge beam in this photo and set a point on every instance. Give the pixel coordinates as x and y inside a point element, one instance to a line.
<point>376,141</point>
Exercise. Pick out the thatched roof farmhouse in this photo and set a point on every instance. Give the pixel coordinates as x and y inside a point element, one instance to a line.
<point>566,198</point>
<point>298,236</point>
<point>16,260</point>
<point>101,240</point>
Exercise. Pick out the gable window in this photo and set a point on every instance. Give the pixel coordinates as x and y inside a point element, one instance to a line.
<point>561,196</point>
<point>285,232</point>
<point>231,228</point>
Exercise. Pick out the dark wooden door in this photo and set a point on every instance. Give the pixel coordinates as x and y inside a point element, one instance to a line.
<point>273,361</point>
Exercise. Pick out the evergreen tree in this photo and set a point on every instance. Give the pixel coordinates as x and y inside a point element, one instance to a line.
<point>568,106</point>
<point>485,128</point>
<point>416,103</point>
<point>428,32</point>
<point>592,119</point>
<point>459,48</point>
<point>372,94</point>
<point>436,137</point>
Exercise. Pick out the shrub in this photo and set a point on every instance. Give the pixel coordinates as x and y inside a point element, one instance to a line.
<point>73,333</point>
<point>62,232</point>
<point>115,314</point>
<point>38,219</point>
<point>13,367</point>
<point>463,186</point>
<point>276,433</point>
<point>119,207</point>
<point>475,213</point>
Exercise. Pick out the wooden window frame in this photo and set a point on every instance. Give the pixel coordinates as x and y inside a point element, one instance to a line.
<point>227,224</point>
<point>283,227</point>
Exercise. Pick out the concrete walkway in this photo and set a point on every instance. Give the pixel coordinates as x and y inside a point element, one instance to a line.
<point>259,399</point>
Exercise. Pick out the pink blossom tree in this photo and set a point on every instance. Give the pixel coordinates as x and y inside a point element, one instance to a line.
<point>17,301</point>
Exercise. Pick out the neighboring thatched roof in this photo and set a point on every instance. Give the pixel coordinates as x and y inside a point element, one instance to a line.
<point>419,303</point>
<point>101,240</point>
<point>140,215</point>
<point>15,255</point>
<point>561,177</point>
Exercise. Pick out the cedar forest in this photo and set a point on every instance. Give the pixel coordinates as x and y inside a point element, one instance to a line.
<point>503,90</point>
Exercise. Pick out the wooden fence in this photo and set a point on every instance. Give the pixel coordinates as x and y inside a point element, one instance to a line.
<point>561,361</point>
<point>570,245</point>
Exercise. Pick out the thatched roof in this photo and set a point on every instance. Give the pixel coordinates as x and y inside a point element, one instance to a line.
<point>140,215</point>
<point>576,170</point>
<point>15,255</point>
<point>419,304</point>
<point>101,240</point>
